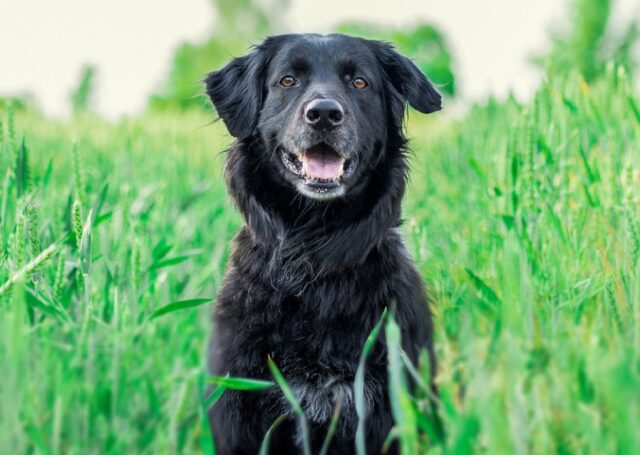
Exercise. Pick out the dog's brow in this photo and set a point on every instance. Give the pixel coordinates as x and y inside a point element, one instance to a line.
<point>346,67</point>
<point>299,64</point>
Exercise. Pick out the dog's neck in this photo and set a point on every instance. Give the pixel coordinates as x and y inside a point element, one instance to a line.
<point>325,236</point>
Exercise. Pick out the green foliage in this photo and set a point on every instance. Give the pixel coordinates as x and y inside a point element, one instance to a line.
<point>425,44</point>
<point>70,310</point>
<point>589,44</point>
<point>82,95</point>
<point>523,219</point>
<point>239,23</point>
<point>524,211</point>
<point>17,103</point>
<point>190,64</point>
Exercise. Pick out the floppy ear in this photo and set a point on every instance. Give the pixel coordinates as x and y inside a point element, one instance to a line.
<point>407,79</point>
<point>237,91</point>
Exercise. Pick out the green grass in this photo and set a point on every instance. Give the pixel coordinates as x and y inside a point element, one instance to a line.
<point>523,219</point>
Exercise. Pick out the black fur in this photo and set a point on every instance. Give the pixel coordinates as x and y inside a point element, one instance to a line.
<point>310,276</point>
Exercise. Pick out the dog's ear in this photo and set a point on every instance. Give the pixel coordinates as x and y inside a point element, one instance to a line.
<point>236,90</point>
<point>407,79</point>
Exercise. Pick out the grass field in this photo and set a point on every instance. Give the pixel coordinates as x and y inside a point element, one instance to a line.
<point>523,219</point>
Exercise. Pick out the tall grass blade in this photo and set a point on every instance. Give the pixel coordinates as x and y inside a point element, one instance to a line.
<point>333,425</point>
<point>264,447</point>
<point>399,396</point>
<point>358,385</point>
<point>295,405</point>
<point>179,305</point>
<point>29,268</point>
<point>243,384</point>
<point>172,261</point>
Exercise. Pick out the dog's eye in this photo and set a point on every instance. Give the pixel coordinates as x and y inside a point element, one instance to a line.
<point>288,81</point>
<point>360,83</point>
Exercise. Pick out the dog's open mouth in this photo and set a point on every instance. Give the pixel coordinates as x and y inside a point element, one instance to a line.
<point>320,166</point>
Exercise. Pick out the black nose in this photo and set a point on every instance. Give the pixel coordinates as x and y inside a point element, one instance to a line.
<point>324,113</point>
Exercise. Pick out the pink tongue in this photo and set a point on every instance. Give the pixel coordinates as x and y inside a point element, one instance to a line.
<point>325,166</point>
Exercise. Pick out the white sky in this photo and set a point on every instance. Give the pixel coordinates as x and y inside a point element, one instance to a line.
<point>44,43</point>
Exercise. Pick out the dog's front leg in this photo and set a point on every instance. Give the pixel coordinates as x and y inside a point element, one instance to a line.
<point>240,420</point>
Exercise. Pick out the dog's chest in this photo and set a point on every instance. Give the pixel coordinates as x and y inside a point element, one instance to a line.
<point>315,338</point>
<point>318,331</point>
<point>323,327</point>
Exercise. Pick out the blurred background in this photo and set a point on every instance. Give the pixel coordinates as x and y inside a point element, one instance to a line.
<point>122,57</point>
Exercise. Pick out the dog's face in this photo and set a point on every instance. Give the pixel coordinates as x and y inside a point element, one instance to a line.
<point>323,106</point>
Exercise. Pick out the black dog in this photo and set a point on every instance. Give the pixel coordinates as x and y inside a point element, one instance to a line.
<point>318,172</point>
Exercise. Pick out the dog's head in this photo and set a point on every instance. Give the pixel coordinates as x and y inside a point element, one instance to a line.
<point>324,107</point>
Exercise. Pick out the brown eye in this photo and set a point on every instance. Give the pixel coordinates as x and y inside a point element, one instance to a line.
<point>288,81</point>
<point>360,83</point>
